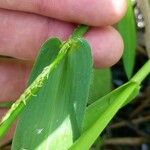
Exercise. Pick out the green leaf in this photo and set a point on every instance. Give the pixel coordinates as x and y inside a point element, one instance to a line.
<point>54,117</point>
<point>21,102</point>
<point>33,89</point>
<point>94,110</point>
<point>127,28</point>
<point>101,84</point>
<point>99,114</point>
<point>117,100</point>
<point>47,54</point>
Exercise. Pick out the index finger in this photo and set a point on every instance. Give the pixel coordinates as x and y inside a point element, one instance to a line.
<point>90,12</point>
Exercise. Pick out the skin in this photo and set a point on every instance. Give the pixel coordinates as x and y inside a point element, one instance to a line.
<point>25,25</point>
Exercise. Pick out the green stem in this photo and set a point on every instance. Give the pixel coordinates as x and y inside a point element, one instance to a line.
<point>80,31</point>
<point>32,90</point>
<point>142,73</point>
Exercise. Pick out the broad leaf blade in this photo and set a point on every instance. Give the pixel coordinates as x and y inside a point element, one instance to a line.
<point>95,110</point>
<point>90,134</point>
<point>101,84</point>
<point>47,54</point>
<point>127,28</point>
<point>53,118</point>
<point>20,103</point>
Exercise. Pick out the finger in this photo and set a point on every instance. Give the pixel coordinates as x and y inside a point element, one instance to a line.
<point>95,12</point>
<point>23,38</point>
<point>107,46</point>
<point>13,74</point>
<point>22,34</point>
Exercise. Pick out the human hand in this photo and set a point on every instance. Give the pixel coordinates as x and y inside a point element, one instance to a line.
<point>25,25</point>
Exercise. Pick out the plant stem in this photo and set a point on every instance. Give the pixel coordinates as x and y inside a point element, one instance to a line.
<point>142,73</point>
<point>33,89</point>
<point>80,31</point>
